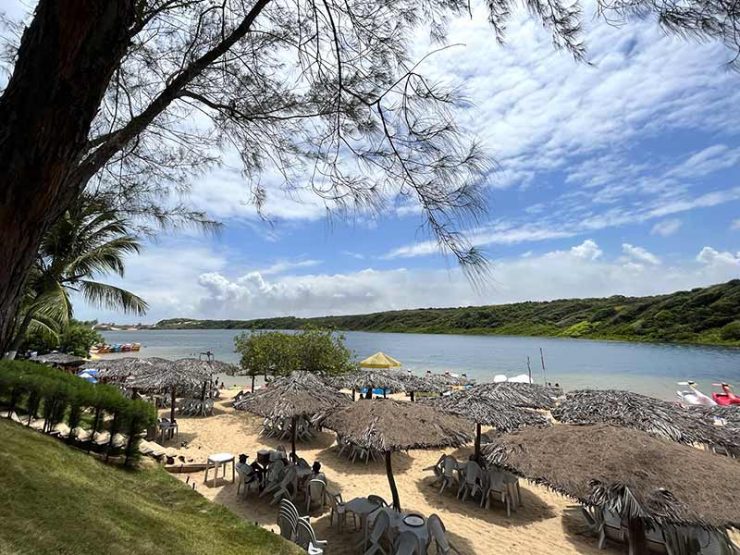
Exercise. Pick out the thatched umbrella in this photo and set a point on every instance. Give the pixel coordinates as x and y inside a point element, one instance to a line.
<point>59,359</point>
<point>656,417</point>
<point>646,480</point>
<point>387,425</point>
<point>527,395</point>
<point>118,369</point>
<point>301,394</point>
<point>377,378</point>
<point>475,405</point>
<point>170,375</point>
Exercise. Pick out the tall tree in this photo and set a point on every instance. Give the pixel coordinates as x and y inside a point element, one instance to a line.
<point>320,95</point>
<point>88,240</point>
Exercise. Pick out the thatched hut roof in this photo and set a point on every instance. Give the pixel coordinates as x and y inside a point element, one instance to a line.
<point>210,366</point>
<point>59,359</point>
<point>446,379</point>
<point>380,378</point>
<point>118,369</point>
<point>299,394</point>
<point>533,396</point>
<point>166,374</point>
<point>626,470</point>
<point>482,409</point>
<point>388,425</point>
<point>656,417</point>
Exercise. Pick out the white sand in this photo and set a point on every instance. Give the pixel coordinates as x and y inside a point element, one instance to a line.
<point>543,525</point>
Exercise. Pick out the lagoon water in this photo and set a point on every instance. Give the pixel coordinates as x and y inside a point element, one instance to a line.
<point>651,369</point>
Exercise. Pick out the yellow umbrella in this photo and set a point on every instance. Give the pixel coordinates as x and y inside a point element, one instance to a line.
<point>380,360</point>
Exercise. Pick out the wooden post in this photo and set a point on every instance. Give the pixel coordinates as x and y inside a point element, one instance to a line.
<point>293,424</point>
<point>252,383</point>
<point>353,393</point>
<point>542,359</point>
<point>529,370</point>
<point>392,481</point>
<point>477,443</point>
<point>384,395</point>
<point>412,396</point>
<point>172,409</point>
<point>636,537</point>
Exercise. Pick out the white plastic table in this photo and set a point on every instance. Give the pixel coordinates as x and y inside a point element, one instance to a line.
<point>220,460</point>
<point>421,532</point>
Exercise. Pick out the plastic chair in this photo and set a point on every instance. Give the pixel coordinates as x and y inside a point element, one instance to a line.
<point>437,468</point>
<point>473,482</point>
<point>337,507</point>
<point>449,469</point>
<point>406,544</point>
<point>380,527</point>
<point>306,538</point>
<point>287,487</point>
<point>247,477</point>
<point>496,488</point>
<point>376,499</point>
<point>439,535</point>
<point>315,492</point>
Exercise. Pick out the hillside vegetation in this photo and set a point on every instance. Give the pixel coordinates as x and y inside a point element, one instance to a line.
<point>54,499</point>
<point>709,315</point>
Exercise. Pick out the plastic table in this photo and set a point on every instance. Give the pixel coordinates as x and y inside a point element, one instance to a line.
<point>217,461</point>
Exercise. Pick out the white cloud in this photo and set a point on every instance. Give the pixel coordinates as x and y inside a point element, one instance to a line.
<point>713,257</point>
<point>283,266</point>
<point>587,250</point>
<point>707,161</point>
<point>640,254</point>
<point>735,225</point>
<point>666,228</point>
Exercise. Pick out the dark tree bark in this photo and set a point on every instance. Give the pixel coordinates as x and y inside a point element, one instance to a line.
<point>392,481</point>
<point>477,443</point>
<point>65,61</point>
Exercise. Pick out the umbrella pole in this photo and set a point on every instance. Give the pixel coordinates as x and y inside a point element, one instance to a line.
<point>412,396</point>
<point>353,393</point>
<point>172,409</point>
<point>252,383</point>
<point>477,442</point>
<point>294,422</point>
<point>636,537</point>
<point>392,481</point>
<point>384,395</point>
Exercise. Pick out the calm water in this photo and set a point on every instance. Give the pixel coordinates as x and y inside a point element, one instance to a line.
<point>645,368</point>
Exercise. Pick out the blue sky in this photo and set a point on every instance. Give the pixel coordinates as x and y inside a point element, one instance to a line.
<point>618,177</point>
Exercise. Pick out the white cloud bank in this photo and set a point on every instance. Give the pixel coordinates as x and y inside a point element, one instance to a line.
<point>199,285</point>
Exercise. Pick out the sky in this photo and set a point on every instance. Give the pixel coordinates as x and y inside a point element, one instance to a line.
<point>617,176</point>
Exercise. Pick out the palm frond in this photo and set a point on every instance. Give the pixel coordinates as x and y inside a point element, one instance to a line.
<point>110,296</point>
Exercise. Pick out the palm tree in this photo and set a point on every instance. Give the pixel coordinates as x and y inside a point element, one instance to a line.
<point>89,240</point>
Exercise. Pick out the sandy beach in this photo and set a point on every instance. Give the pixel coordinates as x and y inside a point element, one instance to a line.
<point>546,523</point>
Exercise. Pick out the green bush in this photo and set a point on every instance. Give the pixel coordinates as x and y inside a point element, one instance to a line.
<point>28,385</point>
<point>731,331</point>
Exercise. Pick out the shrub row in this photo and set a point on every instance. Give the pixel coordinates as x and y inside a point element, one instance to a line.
<point>61,397</point>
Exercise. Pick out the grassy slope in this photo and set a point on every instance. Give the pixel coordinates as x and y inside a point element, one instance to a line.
<point>54,499</point>
<point>695,316</point>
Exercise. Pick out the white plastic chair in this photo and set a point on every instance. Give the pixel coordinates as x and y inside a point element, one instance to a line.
<point>496,487</point>
<point>449,470</point>
<point>406,544</point>
<point>247,478</point>
<point>315,492</point>
<point>437,468</point>
<point>439,534</point>
<point>287,487</point>
<point>380,527</point>
<point>338,508</point>
<point>473,482</point>
<point>306,538</point>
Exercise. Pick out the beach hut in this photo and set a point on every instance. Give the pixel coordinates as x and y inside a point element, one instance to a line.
<point>652,484</point>
<point>518,394</point>
<point>301,394</point>
<point>475,405</point>
<point>656,417</point>
<point>63,361</point>
<point>386,426</point>
<point>371,379</point>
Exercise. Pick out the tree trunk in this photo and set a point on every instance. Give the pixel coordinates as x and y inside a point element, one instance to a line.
<point>65,61</point>
<point>477,443</point>
<point>412,396</point>
<point>252,383</point>
<point>392,481</point>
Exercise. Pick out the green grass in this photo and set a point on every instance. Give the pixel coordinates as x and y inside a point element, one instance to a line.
<point>54,499</point>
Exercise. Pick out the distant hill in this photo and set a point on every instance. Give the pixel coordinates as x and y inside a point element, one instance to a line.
<point>708,315</point>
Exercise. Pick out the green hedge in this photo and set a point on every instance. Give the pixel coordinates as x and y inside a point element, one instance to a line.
<point>61,397</point>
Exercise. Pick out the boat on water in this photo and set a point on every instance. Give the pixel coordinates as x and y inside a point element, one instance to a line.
<point>115,348</point>
<point>693,396</point>
<point>727,397</point>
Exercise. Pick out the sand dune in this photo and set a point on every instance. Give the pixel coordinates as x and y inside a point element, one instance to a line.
<point>545,524</point>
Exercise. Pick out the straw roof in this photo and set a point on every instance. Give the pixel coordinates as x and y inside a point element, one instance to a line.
<point>629,471</point>
<point>165,374</point>
<point>388,425</point>
<point>533,396</point>
<point>299,394</point>
<point>61,359</point>
<point>447,379</point>
<point>656,417</point>
<point>369,378</point>
<point>482,409</point>
<point>380,360</point>
<point>210,366</point>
